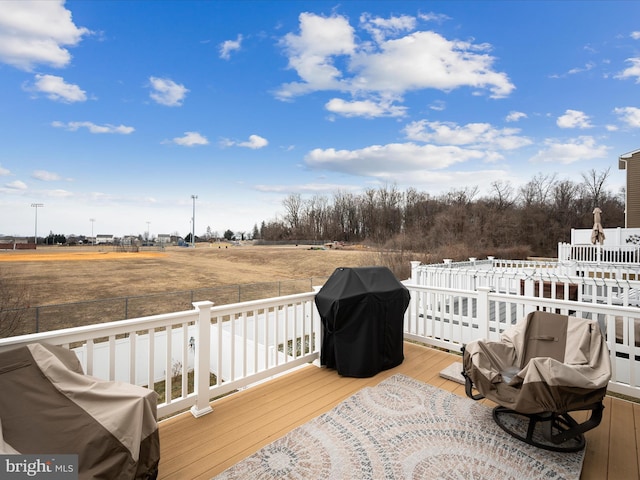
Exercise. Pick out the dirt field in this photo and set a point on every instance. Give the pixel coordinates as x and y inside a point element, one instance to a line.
<point>57,275</point>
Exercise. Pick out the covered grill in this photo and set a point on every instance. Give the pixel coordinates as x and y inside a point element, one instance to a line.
<point>362,311</point>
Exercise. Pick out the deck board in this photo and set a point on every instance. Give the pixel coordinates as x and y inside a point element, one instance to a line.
<point>245,421</point>
<point>622,448</point>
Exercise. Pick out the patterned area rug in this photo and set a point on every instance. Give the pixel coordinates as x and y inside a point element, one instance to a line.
<point>404,429</point>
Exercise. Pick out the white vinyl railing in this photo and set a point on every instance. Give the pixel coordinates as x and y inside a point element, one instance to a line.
<point>453,303</point>
<point>625,254</point>
<point>248,342</point>
<point>239,343</point>
<point>448,318</point>
<point>609,284</point>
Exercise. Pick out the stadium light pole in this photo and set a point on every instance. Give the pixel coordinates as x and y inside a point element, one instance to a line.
<point>93,240</point>
<point>148,223</point>
<point>193,221</point>
<point>35,235</point>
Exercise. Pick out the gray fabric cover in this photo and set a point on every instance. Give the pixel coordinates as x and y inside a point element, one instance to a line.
<point>545,363</point>
<point>49,406</point>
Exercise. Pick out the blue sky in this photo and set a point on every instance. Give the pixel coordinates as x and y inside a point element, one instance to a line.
<point>120,111</point>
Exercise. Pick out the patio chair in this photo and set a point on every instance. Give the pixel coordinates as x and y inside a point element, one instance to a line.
<point>49,406</point>
<point>543,368</point>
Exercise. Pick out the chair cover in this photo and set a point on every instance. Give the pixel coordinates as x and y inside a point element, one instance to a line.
<point>546,363</point>
<point>48,406</point>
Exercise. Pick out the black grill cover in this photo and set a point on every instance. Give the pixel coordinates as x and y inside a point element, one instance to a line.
<point>362,311</point>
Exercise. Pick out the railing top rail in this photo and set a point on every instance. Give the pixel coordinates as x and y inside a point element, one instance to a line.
<point>629,311</point>
<point>515,267</point>
<point>82,333</point>
<point>232,308</point>
<point>445,290</point>
<point>73,334</point>
<point>495,263</point>
<point>626,246</point>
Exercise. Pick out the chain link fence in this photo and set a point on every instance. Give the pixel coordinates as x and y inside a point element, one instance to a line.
<point>54,317</point>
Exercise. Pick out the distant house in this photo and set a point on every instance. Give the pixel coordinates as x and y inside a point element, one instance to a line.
<point>163,239</point>
<point>102,238</point>
<point>631,163</point>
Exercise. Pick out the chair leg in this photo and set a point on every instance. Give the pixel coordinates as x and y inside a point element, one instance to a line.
<point>468,384</point>
<point>574,428</point>
<point>569,436</point>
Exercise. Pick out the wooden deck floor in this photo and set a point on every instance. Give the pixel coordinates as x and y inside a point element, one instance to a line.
<point>244,422</point>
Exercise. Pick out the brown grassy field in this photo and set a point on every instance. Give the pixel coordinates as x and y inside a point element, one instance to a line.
<point>67,274</point>
<point>60,275</point>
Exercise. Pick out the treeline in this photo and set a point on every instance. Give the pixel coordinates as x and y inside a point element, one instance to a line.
<point>532,218</point>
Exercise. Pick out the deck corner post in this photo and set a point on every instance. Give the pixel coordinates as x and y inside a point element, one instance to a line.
<point>414,271</point>
<point>202,359</point>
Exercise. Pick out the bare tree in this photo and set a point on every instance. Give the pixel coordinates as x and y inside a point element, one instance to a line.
<point>293,206</point>
<point>503,194</point>
<point>594,184</point>
<point>537,190</point>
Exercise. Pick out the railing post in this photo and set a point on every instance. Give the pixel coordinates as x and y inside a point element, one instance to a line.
<point>202,361</point>
<point>317,327</point>
<point>483,311</point>
<point>529,291</point>
<point>414,271</point>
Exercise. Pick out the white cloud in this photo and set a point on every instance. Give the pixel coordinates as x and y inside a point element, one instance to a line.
<point>36,32</point>
<point>575,150</point>
<point>312,188</point>
<point>167,92</point>
<point>364,108</point>
<point>588,66</point>
<point>428,60</point>
<point>573,119</point>
<point>59,193</point>
<point>255,142</point>
<point>476,135</point>
<point>635,35</point>
<point>629,115</point>
<point>382,28</point>
<point>94,128</point>
<point>438,106</point>
<point>45,176</point>
<point>229,46</point>
<point>632,71</point>
<point>4,171</point>
<point>57,89</point>
<point>388,68</point>
<point>311,53</point>
<point>389,161</point>
<point>434,17</point>
<point>442,181</point>
<point>16,185</point>
<point>191,139</point>
<point>515,116</point>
